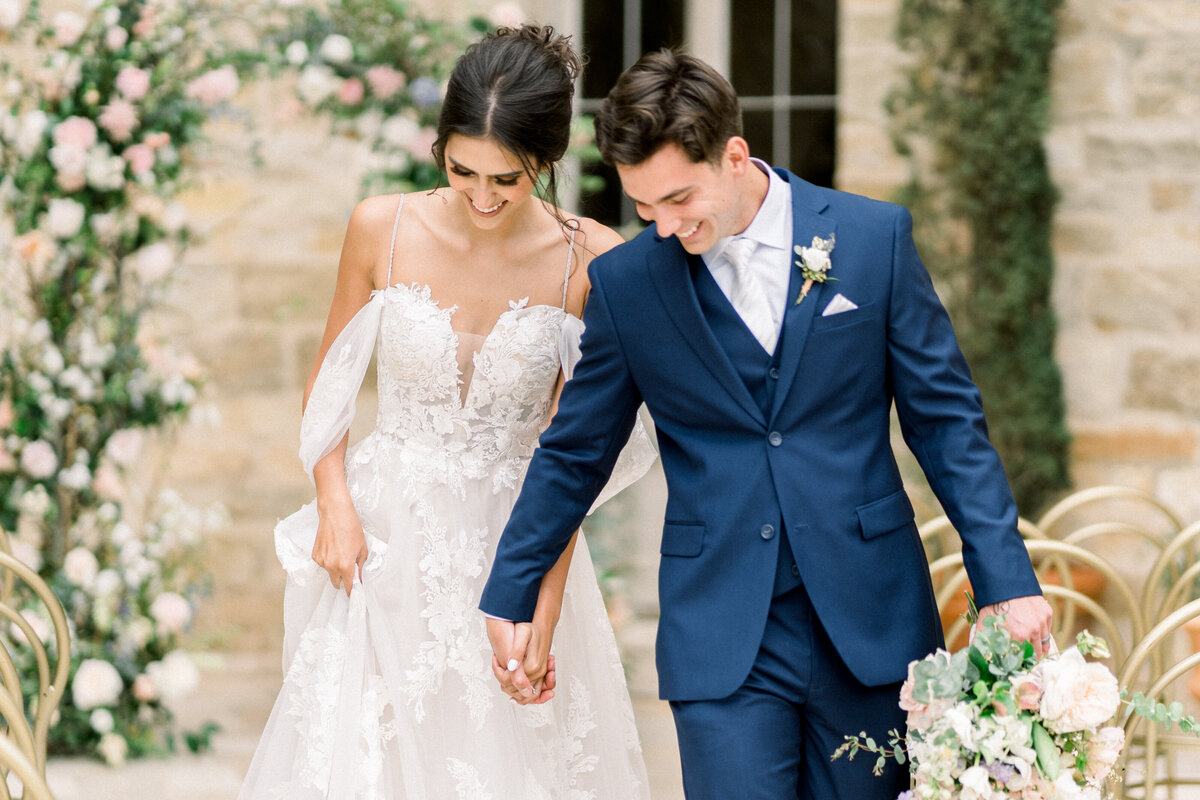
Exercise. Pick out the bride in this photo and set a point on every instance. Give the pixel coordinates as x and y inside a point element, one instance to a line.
<point>473,294</point>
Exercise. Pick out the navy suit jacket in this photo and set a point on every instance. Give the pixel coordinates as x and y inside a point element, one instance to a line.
<point>820,461</point>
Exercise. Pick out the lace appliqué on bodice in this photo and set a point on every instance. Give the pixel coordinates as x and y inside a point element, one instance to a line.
<point>448,431</point>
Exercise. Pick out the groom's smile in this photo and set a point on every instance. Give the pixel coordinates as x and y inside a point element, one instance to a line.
<point>697,202</point>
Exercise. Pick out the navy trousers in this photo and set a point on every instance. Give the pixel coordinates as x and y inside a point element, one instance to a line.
<point>772,739</point>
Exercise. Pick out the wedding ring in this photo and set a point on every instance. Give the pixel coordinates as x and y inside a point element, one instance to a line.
<point>1046,639</point>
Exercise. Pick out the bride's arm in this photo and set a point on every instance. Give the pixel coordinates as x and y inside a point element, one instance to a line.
<point>340,546</point>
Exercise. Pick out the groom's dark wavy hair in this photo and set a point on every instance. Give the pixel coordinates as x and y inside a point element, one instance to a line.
<point>668,97</point>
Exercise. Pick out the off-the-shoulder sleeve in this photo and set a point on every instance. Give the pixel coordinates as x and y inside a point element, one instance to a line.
<point>639,454</point>
<point>330,408</point>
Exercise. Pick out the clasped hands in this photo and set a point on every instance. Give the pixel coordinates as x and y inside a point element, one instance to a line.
<point>526,673</point>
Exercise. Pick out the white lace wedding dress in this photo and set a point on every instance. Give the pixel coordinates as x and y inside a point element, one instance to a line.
<point>389,694</point>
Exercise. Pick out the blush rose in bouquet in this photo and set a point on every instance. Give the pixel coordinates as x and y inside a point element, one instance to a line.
<point>992,722</point>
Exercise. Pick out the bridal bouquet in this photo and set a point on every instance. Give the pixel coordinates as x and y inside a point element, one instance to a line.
<point>992,722</point>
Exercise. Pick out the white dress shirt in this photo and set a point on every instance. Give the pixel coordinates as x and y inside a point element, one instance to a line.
<point>771,261</point>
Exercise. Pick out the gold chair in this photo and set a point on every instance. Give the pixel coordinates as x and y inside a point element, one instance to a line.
<point>1155,750</point>
<point>1053,561</point>
<point>53,670</point>
<point>14,761</point>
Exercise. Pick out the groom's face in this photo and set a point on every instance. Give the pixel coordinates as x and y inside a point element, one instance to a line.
<point>696,202</point>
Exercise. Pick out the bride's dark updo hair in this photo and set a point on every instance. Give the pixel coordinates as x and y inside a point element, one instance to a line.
<point>514,87</point>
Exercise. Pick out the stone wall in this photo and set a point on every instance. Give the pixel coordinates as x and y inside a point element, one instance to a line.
<point>1124,150</point>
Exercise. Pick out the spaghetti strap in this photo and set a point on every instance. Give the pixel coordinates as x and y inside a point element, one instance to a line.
<point>392,248</point>
<point>573,224</point>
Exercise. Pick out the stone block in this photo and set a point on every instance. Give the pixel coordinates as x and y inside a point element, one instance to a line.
<point>1079,232</point>
<point>1164,78</point>
<point>1158,19</point>
<point>1170,194</point>
<point>1165,380</point>
<point>1143,296</point>
<point>1093,371</point>
<point>1134,443</point>
<point>1089,79</point>
<point>1164,148</point>
<point>1177,488</point>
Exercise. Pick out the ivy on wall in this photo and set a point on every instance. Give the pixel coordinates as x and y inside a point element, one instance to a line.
<point>970,115</point>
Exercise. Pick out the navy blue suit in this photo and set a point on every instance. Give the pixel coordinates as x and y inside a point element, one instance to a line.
<point>808,459</point>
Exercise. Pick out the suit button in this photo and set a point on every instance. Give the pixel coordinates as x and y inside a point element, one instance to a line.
<point>773,373</point>
<point>795,571</point>
<point>768,532</point>
<point>776,438</point>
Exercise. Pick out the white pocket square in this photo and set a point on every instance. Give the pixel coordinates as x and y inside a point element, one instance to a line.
<point>839,305</point>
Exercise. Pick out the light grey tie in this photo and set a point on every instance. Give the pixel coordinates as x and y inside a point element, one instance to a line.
<point>747,295</point>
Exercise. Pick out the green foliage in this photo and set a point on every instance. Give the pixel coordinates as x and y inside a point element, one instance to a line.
<point>970,116</point>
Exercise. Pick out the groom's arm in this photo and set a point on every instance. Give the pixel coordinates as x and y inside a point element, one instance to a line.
<point>596,412</point>
<point>941,418</point>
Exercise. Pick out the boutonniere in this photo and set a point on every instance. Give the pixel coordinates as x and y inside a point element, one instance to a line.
<point>814,263</point>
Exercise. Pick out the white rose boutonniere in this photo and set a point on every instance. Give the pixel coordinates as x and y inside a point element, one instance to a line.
<point>814,263</point>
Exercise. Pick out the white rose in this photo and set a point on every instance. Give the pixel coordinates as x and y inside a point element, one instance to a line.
<point>102,721</point>
<point>68,27</point>
<point>81,567</point>
<point>1065,787</point>
<point>316,82</point>
<point>175,676</point>
<point>124,446</point>
<point>337,49</point>
<point>26,553</point>
<point>41,629</point>
<point>115,38</point>
<point>506,15</point>
<point>296,53</point>
<point>10,14</point>
<point>30,132</point>
<point>113,749</point>
<point>104,170</point>
<point>108,582</point>
<point>96,683</point>
<point>399,130</point>
<point>153,262</point>
<point>1103,749</point>
<point>976,784</point>
<point>174,217</point>
<point>64,217</point>
<point>77,476</point>
<point>38,460</point>
<point>36,501</point>
<point>172,613</point>
<point>1077,695</point>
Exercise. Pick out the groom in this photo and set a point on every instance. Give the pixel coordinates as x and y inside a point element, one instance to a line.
<point>793,587</point>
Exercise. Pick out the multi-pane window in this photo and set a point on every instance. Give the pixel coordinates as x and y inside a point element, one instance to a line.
<point>781,57</point>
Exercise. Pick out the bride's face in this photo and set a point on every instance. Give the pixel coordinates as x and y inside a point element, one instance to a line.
<point>489,179</point>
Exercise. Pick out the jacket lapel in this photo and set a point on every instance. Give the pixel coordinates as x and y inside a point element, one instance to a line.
<point>807,222</point>
<point>672,278</point>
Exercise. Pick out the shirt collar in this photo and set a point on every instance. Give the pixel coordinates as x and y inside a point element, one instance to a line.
<point>772,225</point>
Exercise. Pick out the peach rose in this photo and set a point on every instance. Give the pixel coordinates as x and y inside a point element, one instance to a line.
<point>385,81</point>
<point>1077,695</point>
<point>351,92</point>
<point>119,118</point>
<point>133,83</point>
<point>75,132</point>
<point>140,158</point>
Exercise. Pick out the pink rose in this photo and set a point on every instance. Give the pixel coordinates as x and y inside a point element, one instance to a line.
<point>351,92</point>
<point>146,20</point>
<point>1027,691</point>
<point>156,140</point>
<point>144,689</point>
<point>385,81</point>
<point>421,145</point>
<point>140,158</point>
<point>39,460</point>
<point>75,132</point>
<point>115,38</point>
<point>133,83</point>
<point>214,87</point>
<point>119,118</point>
<point>106,483</point>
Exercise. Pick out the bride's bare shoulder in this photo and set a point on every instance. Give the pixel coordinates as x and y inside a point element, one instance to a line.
<point>597,238</point>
